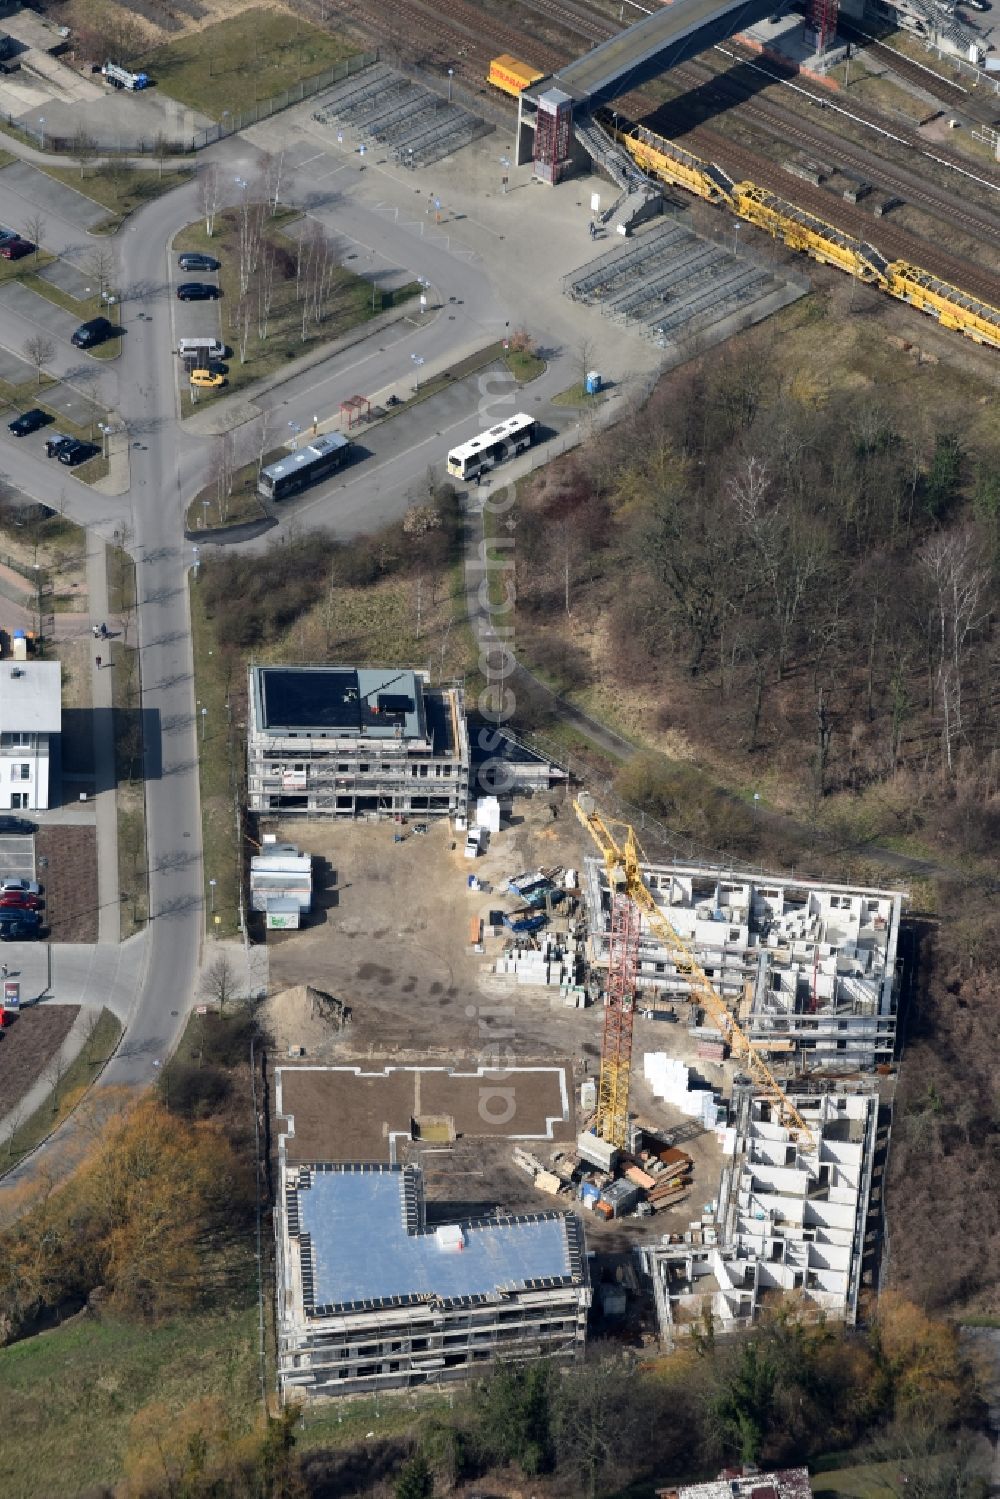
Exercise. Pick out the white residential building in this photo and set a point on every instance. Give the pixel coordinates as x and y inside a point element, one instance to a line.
<point>30,722</point>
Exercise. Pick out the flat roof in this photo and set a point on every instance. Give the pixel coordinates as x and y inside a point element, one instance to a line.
<point>341,700</point>
<point>369,1250</point>
<point>329,442</point>
<point>30,697</point>
<point>653,45</point>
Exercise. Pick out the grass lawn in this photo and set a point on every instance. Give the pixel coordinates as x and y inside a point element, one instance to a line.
<point>244,504</point>
<point>349,302</point>
<point>22,270</point>
<point>524,365</point>
<point>60,1104</point>
<point>215,759</point>
<point>865,1481</point>
<point>249,57</point>
<point>576,395</point>
<point>71,1393</point>
<point>117,188</point>
<point>133,876</point>
<point>94,469</point>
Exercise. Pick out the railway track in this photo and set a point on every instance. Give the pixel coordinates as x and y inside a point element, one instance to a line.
<point>847,154</point>
<point>462,36</point>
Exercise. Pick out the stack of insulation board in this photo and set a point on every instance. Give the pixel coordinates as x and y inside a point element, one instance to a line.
<point>672,1177</point>
<point>670,1080</point>
<point>281,884</point>
<point>546,966</point>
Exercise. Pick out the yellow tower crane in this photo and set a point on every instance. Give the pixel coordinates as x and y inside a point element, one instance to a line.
<point>621,852</point>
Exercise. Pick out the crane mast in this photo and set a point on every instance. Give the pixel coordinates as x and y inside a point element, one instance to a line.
<point>621,861</point>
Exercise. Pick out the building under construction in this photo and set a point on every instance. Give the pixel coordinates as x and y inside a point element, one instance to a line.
<point>809,971</point>
<point>343,741</point>
<point>370,1298</point>
<point>790,1217</point>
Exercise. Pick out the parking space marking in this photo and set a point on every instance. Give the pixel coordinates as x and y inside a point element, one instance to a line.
<point>298,165</point>
<point>325,175</point>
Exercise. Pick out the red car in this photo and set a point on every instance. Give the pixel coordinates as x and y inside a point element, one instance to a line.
<point>14,249</point>
<point>19,900</point>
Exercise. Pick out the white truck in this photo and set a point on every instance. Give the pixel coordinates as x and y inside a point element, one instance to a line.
<point>123,78</point>
<point>474,842</point>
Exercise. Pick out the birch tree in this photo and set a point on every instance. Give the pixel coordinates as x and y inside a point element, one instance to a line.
<point>957,577</point>
<point>209,195</point>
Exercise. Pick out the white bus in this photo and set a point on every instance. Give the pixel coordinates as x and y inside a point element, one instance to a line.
<point>501,442</point>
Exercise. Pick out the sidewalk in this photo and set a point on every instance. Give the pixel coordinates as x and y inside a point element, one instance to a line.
<point>109,921</point>
<point>118,479</point>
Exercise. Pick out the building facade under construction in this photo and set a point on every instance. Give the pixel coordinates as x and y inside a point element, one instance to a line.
<point>371,1298</point>
<point>790,1218</point>
<point>809,971</point>
<point>343,741</point>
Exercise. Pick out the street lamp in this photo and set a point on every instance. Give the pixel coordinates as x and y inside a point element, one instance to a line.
<point>211,891</point>
<point>204,717</point>
<point>451,74</point>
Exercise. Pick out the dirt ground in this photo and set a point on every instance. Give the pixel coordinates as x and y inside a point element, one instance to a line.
<point>162,22</point>
<point>66,861</point>
<point>389,937</point>
<point>26,1047</point>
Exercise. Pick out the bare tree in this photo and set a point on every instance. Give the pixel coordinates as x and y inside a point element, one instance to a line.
<point>219,983</point>
<point>101,265</point>
<point>265,289</point>
<point>271,168</point>
<point>209,195</point>
<point>162,150</point>
<point>38,350</point>
<point>34,228</point>
<point>953,566</point>
<point>250,223</point>
<point>83,149</point>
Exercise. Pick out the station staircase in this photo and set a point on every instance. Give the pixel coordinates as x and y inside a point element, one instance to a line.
<point>639,198</point>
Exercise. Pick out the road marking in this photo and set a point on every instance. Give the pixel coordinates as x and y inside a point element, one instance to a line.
<point>325,175</point>
<point>298,165</point>
<point>396,458</point>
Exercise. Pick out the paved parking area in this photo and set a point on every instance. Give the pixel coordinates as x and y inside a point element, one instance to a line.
<point>69,401</point>
<point>48,195</point>
<point>37,309</point>
<point>64,274</point>
<point>17,856</point>
<point>14,371</point>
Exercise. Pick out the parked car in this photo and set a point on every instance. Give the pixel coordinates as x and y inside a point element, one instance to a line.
<point>19,887</point>
<point>18,901</point>
<point>21,426</point>
<point>15,249</point>
<point>17,825</point>
<point>94,332</point>
<point>9,234</point>
<point>207,379</point>
<point>197,291</point>
<point>72,452</point>
<point>19,926</point>
<point>55,442</point>
<point>194,262</point>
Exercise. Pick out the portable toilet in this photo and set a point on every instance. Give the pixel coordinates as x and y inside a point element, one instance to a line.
<point>592,384</point>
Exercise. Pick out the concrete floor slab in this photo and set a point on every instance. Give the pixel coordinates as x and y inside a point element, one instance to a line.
<point>51,196</point>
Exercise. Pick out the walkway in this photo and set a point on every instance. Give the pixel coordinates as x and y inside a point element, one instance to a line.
<point>109,910</point>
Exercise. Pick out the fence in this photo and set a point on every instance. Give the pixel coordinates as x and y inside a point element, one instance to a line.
<point>230,124</point>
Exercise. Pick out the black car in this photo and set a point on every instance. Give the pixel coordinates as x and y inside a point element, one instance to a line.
<point>29,422</point>
<point>18,925</point>
<point>55,442</point>
<point>9,234</point>
<point>197,291</point>
<point>94,332</point>
<point>72,451</point>
<point>193,262</point>
<point>17,825</point>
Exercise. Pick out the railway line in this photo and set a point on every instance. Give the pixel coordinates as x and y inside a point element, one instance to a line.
<point>844,154</point>
<point>460,35</point>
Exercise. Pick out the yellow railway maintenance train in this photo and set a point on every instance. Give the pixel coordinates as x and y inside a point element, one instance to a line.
<point>801,230</point>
